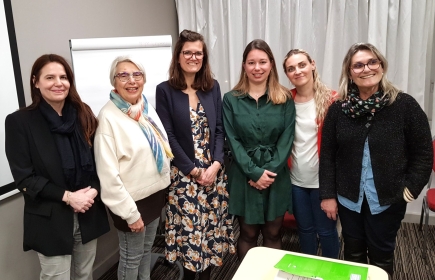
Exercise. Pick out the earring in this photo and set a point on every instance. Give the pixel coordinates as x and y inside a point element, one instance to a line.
<point>351,81</point>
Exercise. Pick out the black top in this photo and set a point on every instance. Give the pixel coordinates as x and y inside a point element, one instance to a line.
<point>37,170</point>
<point>400,149</point>
<point>150,208</point>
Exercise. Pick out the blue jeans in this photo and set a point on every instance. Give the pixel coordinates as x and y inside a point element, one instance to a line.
<point>135,252</point>
<point>313,222</point>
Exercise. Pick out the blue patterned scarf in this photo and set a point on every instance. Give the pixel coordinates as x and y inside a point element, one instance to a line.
<point>155,137</point>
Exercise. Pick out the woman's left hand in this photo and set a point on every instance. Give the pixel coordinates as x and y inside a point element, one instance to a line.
<point>91,193</point>
<point>329,206</point>
<point>254,185</point>
<point>208,177</point>
<point>79,200</point>
<point>266,179</point>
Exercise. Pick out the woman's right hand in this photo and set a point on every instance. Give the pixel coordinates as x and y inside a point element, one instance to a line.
<point>92,193</point>
<point>329,206</point>
<point>266,180</point>
<point>79,200</point>
<point>137,226</point>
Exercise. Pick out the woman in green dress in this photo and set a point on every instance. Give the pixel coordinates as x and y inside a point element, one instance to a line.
<point>259,121</point>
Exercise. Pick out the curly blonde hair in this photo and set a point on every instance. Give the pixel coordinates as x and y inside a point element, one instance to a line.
<point>322,94</point>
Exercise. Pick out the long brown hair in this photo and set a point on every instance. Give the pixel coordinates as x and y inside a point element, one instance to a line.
<point>278,94</point>
<point>203,78</point>
<point>389,89</point>
<point>322,94</point>
<point>85,115</point>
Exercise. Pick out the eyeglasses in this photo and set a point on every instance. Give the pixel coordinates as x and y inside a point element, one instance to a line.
<point>372,64</point>
<point>189,54</point>
<point>125,77</point>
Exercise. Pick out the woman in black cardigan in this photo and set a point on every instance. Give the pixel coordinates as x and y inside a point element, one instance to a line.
<point>49,149</point>
<point>376,156</point>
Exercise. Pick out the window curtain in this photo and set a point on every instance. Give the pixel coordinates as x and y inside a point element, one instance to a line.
<point>402,30</point>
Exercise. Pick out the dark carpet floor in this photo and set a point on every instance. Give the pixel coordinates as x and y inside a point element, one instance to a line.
<point>408,257</point>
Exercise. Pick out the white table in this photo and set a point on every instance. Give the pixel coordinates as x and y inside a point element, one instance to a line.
<point>259,263</point>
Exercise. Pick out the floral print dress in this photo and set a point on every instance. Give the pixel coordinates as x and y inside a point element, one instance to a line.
<point>199,229</point>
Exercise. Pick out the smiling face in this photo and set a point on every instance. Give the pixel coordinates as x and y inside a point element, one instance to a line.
<point>131,90</point>
<point>368,80</point>
<point>257,66</point>
<point>193,64</point>
<point>53,84</point>
<point>299,70</point>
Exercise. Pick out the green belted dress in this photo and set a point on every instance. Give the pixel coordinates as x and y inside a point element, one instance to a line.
<point>260,137</point>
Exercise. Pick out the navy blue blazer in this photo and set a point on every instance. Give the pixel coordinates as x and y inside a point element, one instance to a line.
<point>172,106</point>
<point>37,170</point>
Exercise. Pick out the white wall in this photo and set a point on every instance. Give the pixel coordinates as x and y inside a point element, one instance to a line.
<point>45,26</point>
<point>14,263</point>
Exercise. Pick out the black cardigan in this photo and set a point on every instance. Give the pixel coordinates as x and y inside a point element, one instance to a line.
<point>172,106</point>
<point>400,149</point>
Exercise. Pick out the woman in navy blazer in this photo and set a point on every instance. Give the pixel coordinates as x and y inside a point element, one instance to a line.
<point>198,226</point>
<point>172,107</point>
<point>48,146</point>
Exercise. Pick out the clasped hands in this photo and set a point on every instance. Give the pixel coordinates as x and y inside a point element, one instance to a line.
<point>266,179</point>
<point>208,176</point>
<point>80,200</point>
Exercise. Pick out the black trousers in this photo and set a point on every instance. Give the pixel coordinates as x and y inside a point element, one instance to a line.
<point>378,231</point>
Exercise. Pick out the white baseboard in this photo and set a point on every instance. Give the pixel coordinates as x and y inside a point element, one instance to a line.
<point>103,266</point>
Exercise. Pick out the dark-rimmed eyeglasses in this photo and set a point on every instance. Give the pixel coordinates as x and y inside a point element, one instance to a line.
<point>189,54</point>
<point>125,77</point>
<point>372,64</point>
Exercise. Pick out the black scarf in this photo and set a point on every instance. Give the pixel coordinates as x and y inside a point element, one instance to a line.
<point>354,107</point>
<point>75,152</point>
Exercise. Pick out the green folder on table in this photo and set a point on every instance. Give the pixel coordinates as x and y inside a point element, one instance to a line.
<point>321,269</point>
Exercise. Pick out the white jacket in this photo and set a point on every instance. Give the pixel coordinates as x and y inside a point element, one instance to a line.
<point>125,163</point>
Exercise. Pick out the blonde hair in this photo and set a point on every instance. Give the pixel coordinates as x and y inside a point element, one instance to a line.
<point>278,94</point>
<point>323,95</point>
<point>385,85</point>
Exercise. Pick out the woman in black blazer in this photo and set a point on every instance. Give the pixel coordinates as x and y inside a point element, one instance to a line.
<point>198,226</point>
<point>49,149</point>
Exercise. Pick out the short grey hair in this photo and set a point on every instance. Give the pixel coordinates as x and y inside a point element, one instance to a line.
<point>125,58</point>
